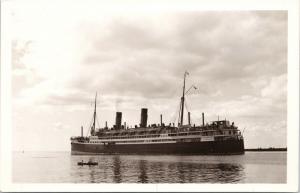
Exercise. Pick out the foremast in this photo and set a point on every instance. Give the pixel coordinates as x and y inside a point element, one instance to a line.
<point>93,130</point>
<point>182,99</point>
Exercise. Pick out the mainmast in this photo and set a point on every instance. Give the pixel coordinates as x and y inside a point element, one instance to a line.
<point>182,98</point>
<point>94,120</point>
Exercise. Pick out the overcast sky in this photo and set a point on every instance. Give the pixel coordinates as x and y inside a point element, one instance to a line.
<point>63,54</point>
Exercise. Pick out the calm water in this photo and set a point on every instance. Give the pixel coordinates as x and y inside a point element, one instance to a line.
<point>56,167</point>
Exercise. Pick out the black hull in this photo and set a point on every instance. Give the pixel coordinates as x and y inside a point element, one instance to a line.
<point>205,148</point>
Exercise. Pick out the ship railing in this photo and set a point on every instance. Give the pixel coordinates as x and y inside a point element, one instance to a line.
<point>166,131</point>
<point>216,137</point>
<point>202,133</point>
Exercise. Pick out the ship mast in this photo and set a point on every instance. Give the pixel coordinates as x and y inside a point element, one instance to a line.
<point>182,98</point>
<point>94,118</point>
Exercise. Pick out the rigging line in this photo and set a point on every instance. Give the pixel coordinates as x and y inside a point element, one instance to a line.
<point>88,131</point>
<point>173,118</point>
<point>186,106</point>
<point>192,88</point>
<point>91,123</point>
<point>187,109</point>
<point>179,111</point>
<point>96,114</point>
<point>90,126</point>
<point>191,93</point>
<point>97,122</point>
<point>243,130</point>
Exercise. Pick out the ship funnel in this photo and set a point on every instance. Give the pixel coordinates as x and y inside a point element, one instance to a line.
<point>144,117</point>
<point>118,120</point>
<point>189,118</point>
<point>202,119</point>
<point>81,131</point>
<point>161,122</point>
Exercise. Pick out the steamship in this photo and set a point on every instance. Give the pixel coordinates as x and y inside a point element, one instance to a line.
<point>217,137</point>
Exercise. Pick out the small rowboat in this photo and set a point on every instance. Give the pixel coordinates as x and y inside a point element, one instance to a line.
<point>89,163</point>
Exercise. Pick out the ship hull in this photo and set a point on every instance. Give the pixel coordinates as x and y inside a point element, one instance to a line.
<point>205,148</point>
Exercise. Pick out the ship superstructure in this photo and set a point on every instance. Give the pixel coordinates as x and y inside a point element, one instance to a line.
<point>217,137</point>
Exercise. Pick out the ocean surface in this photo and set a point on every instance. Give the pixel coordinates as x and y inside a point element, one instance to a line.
<point>61,167</point>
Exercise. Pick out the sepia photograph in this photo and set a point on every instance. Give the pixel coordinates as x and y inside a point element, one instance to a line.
<point>117,94</point>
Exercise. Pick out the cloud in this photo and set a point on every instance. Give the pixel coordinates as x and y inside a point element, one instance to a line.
<point>236,59</point>
<point>126,52</point>
<point>277,88</point>
<point>24,76</point>
<point>215,48</point>
<point>60,126</point>
<point>19,50</point>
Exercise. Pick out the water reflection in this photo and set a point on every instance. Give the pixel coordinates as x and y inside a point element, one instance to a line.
<point>92,174</point>
<point>230,173</point>
<point>204,172</point>
<point>179,171</point>
<point>117,169</point>
<point>172,169</point>
<point>143,178</point>
<point>248,168</point>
